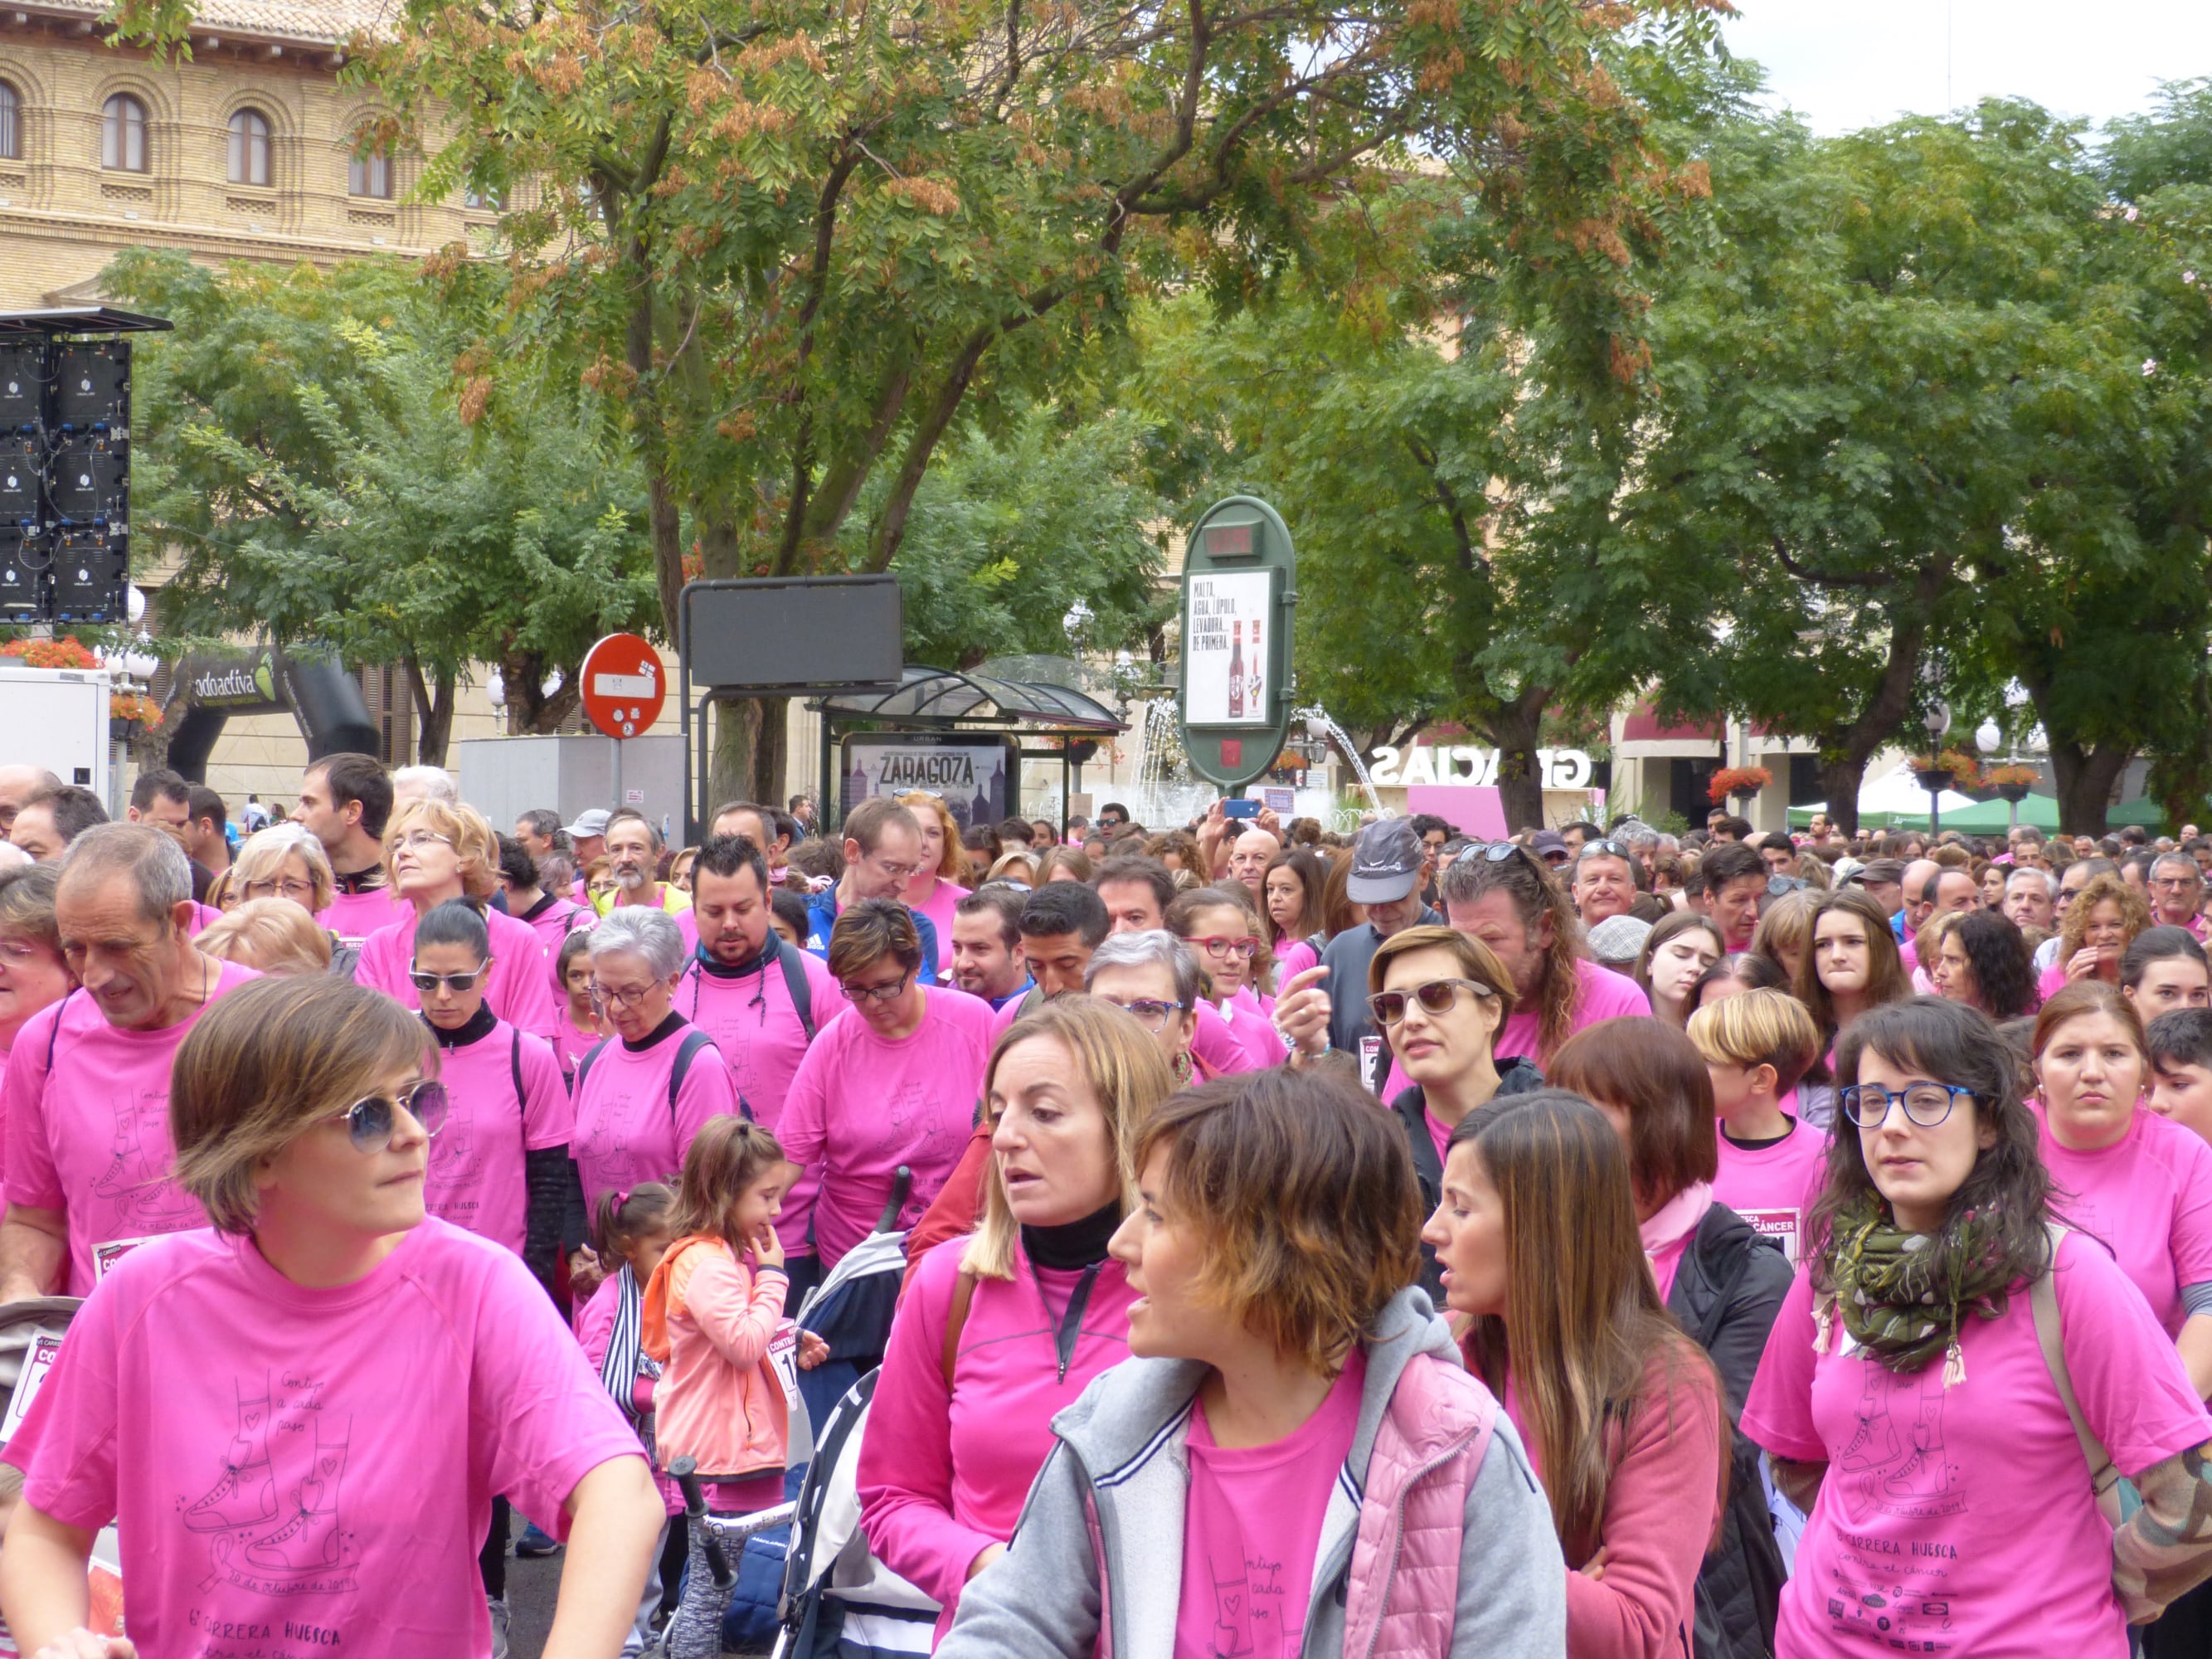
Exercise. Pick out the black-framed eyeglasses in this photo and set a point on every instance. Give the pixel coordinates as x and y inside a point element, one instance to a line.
<point>1436,996</point>
<point>889,993</point>
<point>1148,1011</point>
<point>371,1120</point>
<point>606,996</point>
<point>425,981</point>
<point>1926,1105</point>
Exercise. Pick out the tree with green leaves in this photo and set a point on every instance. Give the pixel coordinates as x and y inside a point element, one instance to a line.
<point>796,245</point>
<point>300,449</point>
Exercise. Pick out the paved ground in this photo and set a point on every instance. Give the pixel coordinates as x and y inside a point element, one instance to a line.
<point>531,1587</point>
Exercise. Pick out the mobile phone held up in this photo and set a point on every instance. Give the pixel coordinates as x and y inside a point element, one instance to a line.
<point>1240,809</point>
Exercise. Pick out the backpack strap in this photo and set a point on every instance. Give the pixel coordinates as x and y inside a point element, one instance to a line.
<point>584,1066</point>
<point>514,1069</point>
<point>956,1321</point>
<point>686,1051</point>
<point>2050,1337</point>
<point>795,983</point>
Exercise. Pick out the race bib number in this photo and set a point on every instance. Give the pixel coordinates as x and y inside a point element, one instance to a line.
<point>46,1348</point>
<point>1780,1225</point>
<point>1370,1051</point>
<point>104,1256</point>
<point>783,1354</point>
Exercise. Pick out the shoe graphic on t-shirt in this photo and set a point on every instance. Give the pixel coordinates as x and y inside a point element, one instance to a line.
<point>310,1552</point>
<point>245,1496</point>
<point>1232,1617</point>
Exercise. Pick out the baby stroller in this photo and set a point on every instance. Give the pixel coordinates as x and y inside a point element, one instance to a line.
<point>851,1309</point>
<point>695,1630</point>
<point>839,1601</point>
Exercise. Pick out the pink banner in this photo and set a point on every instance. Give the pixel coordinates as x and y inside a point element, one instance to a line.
<point>1473,809</point>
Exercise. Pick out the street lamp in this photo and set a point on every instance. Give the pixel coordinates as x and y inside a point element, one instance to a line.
<point>1938,721</point>
<point>1988,738</point>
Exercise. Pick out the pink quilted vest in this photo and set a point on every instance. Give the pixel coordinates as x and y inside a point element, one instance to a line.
<point>1403,1587</point>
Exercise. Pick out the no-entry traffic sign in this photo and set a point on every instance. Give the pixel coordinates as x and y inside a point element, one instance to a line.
<point>624,685</point>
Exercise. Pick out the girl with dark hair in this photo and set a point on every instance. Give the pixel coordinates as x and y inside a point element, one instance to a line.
<point>1982,962</point>
<point>1296,887</point>
<point>1676,956</point>
<point>1620,1413</point>
<point>2133,1179</point>
<point>1736,972</point>
<point>581,1027</point>
<point>1853,964</point>
<point>1293,1443</point>
<point>1906,1399</point>
<point>1221,923</point>
<point>2164,970</point>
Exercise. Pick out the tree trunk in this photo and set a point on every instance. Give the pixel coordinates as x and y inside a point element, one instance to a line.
<point>530,711</point>
<point>434,713</point>
<point>2085,778</point>
<point>1842,774</point>
<point>1516,731</point>
<point>751,751</point>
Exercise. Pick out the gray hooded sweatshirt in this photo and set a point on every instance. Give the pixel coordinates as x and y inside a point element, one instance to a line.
<point>1122,1446</point>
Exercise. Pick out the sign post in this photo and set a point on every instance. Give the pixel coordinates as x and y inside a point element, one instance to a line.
<point>623,689</point>
<point>1239,598</point>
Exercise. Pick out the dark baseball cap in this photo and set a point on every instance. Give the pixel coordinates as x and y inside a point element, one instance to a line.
<point>1385,864</point>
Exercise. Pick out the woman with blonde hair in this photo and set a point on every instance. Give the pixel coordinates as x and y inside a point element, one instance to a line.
<point>999,1331</point>
<point>2100,924</point>
<point>282,862</point>
<point>1065,863</point>
<point>935,887</point>
<point>434,852</point>
<point>272,934</point>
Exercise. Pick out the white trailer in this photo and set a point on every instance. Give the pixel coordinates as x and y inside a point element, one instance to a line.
<point>56,718</point>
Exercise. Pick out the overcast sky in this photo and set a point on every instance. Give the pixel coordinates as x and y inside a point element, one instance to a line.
<point>1845,63</point>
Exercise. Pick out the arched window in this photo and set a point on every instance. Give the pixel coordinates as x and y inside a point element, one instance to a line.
<point>122,134</point>
<point>11,124</point>
<point>249,147</point>
<point>370,175</point>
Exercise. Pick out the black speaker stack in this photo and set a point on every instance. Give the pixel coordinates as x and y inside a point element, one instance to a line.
<point>65,465</point>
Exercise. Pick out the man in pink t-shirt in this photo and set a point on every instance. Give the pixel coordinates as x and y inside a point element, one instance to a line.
<point>345,801</point>
<point>761,999</point>
<point>87,1088</point>
<point>893,1080</point>
<point>2176,894</point>
<point>1517,908</point>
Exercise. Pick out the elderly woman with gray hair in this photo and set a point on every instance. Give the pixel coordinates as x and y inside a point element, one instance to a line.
<point>1154,977</point>
<point>643,1092</point>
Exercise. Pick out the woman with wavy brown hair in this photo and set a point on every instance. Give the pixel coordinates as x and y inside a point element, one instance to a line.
<point>2100,924</point>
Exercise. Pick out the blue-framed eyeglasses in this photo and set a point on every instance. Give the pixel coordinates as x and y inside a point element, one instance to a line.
<point>1867,1104</point>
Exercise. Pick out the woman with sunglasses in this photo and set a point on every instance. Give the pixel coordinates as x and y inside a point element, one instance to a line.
<point>1154,977</point>
<point>892,1079</point>
<point>1439,999</point>
<point>643,1092</point>
<point>435,854</point>
<point>1906,1401</point>
<point>2130,1177</point>
<point>1225,932</point>
<point>299,1416</point>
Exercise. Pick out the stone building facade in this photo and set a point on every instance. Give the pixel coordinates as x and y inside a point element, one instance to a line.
<point>247,151</point>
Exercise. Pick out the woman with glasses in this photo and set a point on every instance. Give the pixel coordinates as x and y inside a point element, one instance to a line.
<point>285,862</point>
<point>999,1331</point>
<point>1225,932</point>
<point>1909,1401</point>
<point>644,1092</point>
<point>32,974</point>
<point>1674,961</point>
<point>1439,999</point>
<point>435,854</point>
<point>2093,937</point>
<point>892,1079</point>
<point>1156,978</point>
<point>2130,1177</point>
<point>299,1417</point>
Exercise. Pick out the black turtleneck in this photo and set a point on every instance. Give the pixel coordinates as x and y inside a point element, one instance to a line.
<point>667,1028</point>
<point>755,963</point>
<point>359,881</point>
<point>1075,1244</point>
<point>478,1028</point>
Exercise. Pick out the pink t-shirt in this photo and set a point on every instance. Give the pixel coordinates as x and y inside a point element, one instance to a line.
<point>354,916</point>
<point>1251,1525</point>
<point>624,1132</point>
<point>860,1106</point>
<point>939,908</point>
<point>753,1022</point>
<point>1603,995</point>
<point>1919,1540</point>
<point>1774,1187</point>
<point>1293,956</point>
<point>91,1137</point>
<point>1251,1020</point>
<point>552,922</point>
<point>520,989</point>
<point>2149,1199</point>
<point>571,1043</point>
<point>476,1178</point>
<point>299,1471</point>
<point>1222,1051</point>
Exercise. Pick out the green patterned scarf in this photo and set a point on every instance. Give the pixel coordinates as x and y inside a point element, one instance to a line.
<point>1905,1296</point>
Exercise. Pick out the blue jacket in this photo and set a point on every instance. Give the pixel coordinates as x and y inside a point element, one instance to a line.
<point>822,916</point>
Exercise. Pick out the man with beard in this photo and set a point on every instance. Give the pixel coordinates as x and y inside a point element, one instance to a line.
<point>633,857</point>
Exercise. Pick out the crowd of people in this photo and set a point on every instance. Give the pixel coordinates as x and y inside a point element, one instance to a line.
<point>1591,1242</point>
